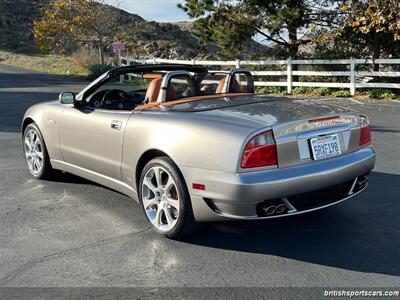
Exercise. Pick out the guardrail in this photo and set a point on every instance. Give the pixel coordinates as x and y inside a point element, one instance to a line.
<point>290,73</point>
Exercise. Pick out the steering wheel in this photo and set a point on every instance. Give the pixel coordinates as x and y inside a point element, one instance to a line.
<point>107,101</point>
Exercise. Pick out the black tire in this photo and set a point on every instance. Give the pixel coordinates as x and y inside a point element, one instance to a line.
<point>185,223</point>
<point>46,170</point>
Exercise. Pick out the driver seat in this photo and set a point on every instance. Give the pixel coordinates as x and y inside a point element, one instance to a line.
<point>153,90</point>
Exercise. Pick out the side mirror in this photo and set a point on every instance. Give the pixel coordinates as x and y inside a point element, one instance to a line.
<point>67,98</point>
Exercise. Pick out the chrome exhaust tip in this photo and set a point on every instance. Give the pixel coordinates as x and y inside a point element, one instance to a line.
<point>274,209</point>
<point>280,209</point>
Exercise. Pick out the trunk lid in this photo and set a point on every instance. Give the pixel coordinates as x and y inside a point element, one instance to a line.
<point>257,110</point>
<point>294,138</point>
<point>293,121</point>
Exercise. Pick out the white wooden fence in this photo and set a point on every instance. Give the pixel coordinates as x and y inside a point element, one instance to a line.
<point>352,82</point>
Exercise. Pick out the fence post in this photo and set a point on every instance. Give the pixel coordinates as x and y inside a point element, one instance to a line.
<point>193,62</point>
<point>237,63</point>
<point>289,71</point>
<point>352,77</point>
<point>154,60</point>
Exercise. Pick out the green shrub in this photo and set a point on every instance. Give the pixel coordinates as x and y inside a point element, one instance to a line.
<point>380,94</point>
<point>97,70</point>
<point>321,91</point>
<point>300,90</point>
<point>271,90</point>
<point>341,93</point>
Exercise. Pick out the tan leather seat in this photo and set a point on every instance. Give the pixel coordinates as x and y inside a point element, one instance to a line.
<point>234,86</point>
<point>153,90</point>
<point>220,86</point>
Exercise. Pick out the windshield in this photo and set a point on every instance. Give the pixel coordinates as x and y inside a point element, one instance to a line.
<point>130,83</point>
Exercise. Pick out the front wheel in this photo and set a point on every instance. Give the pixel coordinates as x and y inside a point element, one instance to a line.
<point>165,198</point>
<point>35,152</point>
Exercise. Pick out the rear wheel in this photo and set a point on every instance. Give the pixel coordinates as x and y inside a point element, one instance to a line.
<point>35,151</point>
<point>165,199</point>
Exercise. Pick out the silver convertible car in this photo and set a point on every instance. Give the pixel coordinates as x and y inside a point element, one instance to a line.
<point>192,146</point>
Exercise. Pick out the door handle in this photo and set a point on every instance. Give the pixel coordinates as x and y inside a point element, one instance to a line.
<point>116,125</point>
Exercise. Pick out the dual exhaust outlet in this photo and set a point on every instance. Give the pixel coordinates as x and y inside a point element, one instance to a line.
<point>275,207</point>
<point>272,210</point>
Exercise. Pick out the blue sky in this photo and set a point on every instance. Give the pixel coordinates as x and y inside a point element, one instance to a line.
<point>153,10</point>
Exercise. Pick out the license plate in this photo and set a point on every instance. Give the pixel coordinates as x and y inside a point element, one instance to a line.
<point>325,146</point>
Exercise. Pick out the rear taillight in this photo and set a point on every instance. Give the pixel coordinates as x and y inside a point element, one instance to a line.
<point>365,131</point>
<point>260,151</point>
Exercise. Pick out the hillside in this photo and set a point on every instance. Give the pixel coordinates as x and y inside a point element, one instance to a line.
<point>165,40</point>
<point>16,20</point>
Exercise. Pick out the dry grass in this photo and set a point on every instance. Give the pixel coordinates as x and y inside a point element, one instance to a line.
<point>52,64</point>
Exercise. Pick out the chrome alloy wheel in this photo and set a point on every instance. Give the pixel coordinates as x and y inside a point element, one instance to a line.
<point>33,151</point>
<point>160,198</point>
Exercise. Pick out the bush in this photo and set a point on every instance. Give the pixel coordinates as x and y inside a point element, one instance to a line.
<point>86,57</point>
<point>381,94</point>
<point>271,90</point>
<point>321,91</point>
<point>342,93</point>
<point>300,90</point>
<point>97,70</point>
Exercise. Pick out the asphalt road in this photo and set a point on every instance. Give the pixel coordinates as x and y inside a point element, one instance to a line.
<point>71,232</point>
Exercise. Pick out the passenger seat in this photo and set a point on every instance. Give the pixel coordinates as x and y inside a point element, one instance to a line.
<point>220,86</point>
<point>153,90</point>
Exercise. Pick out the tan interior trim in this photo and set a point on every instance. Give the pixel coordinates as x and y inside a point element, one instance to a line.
<point>190,99</point>
<point>152,75</point>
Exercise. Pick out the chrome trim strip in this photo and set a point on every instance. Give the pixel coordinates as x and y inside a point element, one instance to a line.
<point>222,214</point>
<point>352,186</point>
<point>289,205</point>
<point>333,129</point>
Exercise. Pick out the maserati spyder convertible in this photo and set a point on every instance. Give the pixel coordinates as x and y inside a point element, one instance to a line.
<point>191,145</point>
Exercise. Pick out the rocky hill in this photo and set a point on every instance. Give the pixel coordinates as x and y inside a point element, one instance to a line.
<point>16,20</point>
<point>164,40</point>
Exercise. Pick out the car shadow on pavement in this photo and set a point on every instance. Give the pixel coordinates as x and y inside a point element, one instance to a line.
<point>361,234</point>
<point>63,177</point>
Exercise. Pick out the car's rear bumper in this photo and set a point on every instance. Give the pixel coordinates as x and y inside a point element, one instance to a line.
<point>239,195</point>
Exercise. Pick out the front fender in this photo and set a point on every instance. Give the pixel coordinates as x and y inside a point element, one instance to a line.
<point>46,116</point>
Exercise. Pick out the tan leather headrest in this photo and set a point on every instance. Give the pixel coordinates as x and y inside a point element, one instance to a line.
<point>153,90</point>
<point>152,75</point>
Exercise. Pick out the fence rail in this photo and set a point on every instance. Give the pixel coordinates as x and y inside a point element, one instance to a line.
<point>352,77</point>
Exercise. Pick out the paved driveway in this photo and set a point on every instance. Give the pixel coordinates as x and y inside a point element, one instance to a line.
<point>71,232</point>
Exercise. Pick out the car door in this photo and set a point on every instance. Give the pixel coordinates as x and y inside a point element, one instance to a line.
<point>92,139</point>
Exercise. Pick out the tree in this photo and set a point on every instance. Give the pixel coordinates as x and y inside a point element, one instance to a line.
<point>377,22</point>
<point>65,22</point>
<point>284,22</point>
